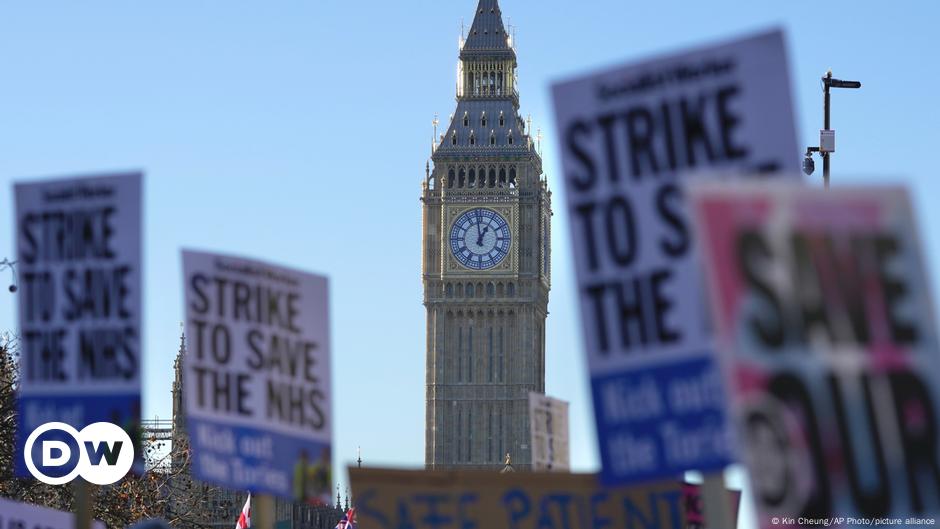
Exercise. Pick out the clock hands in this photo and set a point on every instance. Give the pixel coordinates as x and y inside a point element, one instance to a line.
<point>480,235</point>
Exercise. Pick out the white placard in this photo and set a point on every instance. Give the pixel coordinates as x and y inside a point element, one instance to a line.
<point>80,298</point>
<point>548,424</point>
<point>257,376</point>
<point>627,135</point>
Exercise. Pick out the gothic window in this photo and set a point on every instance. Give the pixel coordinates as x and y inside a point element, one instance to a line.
<point>460,354</point>
<point>499,367</point>
<point>490,366</point>
<point>462,180</point>
<point>502,120</point>
<point>472,178</point>
<point>489,434</point>
<point>500,291</point>
<point>466,119</point>
<point>499,84</point>
<point>470,355</point>
<point>500,436</point>
<point>490,290</point>
<point>509,138</point>
<point>459,432</point>
<point>480,289</point>
<point>483,120</point>
<point>450,174</point>
<point>492,139</point>
<point>450,290</point>
<point>469,434</point>
<point>502,175</point>
<point>459,290</point>
<point>453,138</point>
<point>469,290</point>
<point>492,177</point>
<point>512,177</point>
<point>511,290</point>
<point>473,140</point>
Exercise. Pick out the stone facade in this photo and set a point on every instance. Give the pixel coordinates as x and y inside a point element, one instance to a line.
<point>486,306</point>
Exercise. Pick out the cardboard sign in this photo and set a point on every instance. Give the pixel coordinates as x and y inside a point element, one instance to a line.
<point>16,515</point>
<point>548,424</point>
<point>822,306</point>
<point>391,499</point>
<point>78,260</point>
<point>626,136</point>
<point>257,376</point>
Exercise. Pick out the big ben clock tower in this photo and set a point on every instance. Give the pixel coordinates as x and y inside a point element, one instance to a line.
<point>486,255</point>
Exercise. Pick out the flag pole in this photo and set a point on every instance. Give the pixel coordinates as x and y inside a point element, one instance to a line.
<point>81,504</point>
<point>717,505</point>
<point>265,512</point>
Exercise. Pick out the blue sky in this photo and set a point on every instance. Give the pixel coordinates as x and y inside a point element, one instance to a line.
<point>297,131</point>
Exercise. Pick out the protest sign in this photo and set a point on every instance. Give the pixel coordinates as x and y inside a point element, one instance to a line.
<point>78,258</point>
<point>829,346</point>
<point>548,425</point>
<point>257,376</point>
<point>626,136</point>
<point>16,515</point>
<point>390,499</point>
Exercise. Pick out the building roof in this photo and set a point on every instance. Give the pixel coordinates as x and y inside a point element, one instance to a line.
<point>487,33</point>
<point>498,137</point>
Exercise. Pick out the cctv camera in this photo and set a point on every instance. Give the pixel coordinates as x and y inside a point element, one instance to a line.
<point>808,165</point>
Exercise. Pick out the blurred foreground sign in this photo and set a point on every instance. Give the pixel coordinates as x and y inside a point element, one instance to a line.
<point>548,425</point>
<point>16,515</point>
<point>257,376</point>
<point>828,338</point>
<point>78,257</point>
<point>392,499</point>
<point>626,135</point>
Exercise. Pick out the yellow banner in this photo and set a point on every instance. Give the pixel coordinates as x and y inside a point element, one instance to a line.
<point>417,499</point>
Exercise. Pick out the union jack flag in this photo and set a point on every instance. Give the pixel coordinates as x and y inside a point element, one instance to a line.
<point>348,521</point>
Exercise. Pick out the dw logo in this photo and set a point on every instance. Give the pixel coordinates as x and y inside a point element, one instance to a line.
<point>101,453</point>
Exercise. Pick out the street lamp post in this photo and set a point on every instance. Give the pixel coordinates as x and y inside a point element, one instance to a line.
<point>827,136</point>
<point>6,263</point>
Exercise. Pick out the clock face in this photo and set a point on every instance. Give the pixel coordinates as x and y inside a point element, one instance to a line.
<point>480,238</point>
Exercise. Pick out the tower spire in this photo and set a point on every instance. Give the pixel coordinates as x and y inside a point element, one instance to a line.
<point>487,33</point>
